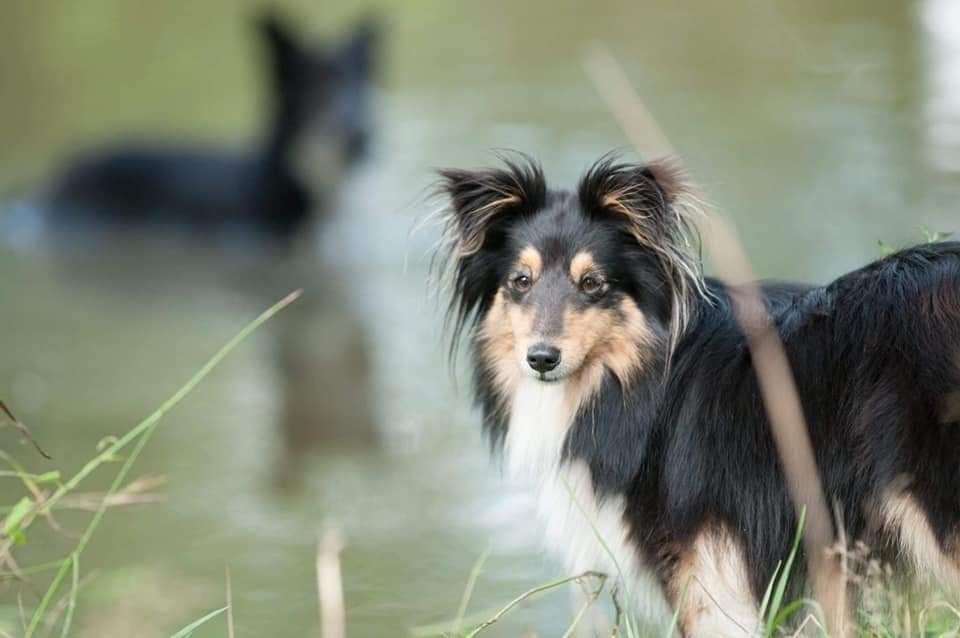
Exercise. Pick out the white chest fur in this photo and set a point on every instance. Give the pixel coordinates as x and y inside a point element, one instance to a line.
<point>541,414</point>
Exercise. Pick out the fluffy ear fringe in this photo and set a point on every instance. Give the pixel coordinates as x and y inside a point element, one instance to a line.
<point>476,200</point>
<point>659,206</point>
<point>479,197</point>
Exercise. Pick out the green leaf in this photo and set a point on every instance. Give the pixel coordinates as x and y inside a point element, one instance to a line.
<point>886,249</point>
<point>933,236</point>
<point>11,524</point>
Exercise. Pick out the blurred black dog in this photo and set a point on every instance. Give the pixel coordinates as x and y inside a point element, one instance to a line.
<point>320,126</point>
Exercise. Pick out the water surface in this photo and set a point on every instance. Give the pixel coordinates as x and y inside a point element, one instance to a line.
<point>821,127</point>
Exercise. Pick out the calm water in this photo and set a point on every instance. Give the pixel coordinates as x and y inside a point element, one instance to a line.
<point>821,127</point>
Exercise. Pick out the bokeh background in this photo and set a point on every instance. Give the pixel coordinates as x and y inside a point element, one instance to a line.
<point>820,127</point>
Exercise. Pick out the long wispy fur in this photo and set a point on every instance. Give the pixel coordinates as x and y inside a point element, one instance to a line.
<point>479,201</point>
<point>661,206</point>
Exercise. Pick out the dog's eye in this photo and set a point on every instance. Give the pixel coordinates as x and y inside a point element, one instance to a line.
<point>593,285</point>
<point>521,282</point>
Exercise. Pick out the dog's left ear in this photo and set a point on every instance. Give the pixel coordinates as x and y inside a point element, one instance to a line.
<point>481,200</point>
<point>656,204</point>
<point>283,51</point>
<point>649,197</point>
<point>482,205</point>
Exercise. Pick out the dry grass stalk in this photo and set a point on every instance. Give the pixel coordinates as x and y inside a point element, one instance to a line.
<point>23,430</point>
<point>770,361</point>
<point>138,492</point>
<point>231,633</point>
<point>330,585</point>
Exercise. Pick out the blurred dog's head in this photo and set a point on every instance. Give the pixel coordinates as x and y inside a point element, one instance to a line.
<point>322,96</point>
<point>566,285</point>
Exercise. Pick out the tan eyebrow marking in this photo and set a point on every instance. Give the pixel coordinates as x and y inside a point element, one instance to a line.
<point>581,264</point>
<point>530,259</point>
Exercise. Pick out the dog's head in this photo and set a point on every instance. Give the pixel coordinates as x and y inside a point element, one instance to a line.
<point>564,285</point>
<point>322,98</point>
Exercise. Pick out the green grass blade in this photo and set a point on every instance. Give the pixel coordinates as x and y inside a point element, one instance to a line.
<point>468,590</point>
<point>110,452</point>
<point>143,430</point>
<point>445,628</point>
<point>769,591</point>
<point>87,534</point>
<point>784,577</point>
<point>72,603</point>
<point>630,627</point>
<point>187,631</point>
<point>792,607</point>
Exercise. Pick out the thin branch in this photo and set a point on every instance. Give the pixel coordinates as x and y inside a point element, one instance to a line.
<point>591,599</point>
<point>530,593</point>
<point>24,431</point>
<point>631,114</point>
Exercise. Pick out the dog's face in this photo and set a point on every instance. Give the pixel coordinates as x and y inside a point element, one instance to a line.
<point>567,285</point>
<point>323,98</point>
<point>566,301</point>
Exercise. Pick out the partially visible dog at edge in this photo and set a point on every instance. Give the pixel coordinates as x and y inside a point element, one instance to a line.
<point>610,371</point>
<point>318,127</point>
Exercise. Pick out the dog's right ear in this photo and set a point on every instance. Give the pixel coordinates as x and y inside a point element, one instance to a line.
<point>481,205</point>
<point>480,199</point>
<point>282,48</point>
<point>360,48</point>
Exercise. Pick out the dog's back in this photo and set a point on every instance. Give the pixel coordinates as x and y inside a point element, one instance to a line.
<point>132,186</point>
<point>876,359</point>
<point>901,320</point>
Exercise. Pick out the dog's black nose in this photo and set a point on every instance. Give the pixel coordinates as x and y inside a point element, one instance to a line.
<point>543,358</point>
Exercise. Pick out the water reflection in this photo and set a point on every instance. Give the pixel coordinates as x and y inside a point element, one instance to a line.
<point>325,378</point>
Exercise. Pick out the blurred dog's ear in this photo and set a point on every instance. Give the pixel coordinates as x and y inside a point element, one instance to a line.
<point>479,199</point>
<point>283,51</point>
<point>360,47</point>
